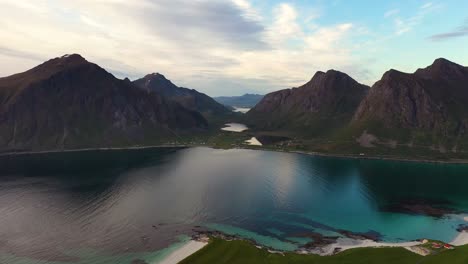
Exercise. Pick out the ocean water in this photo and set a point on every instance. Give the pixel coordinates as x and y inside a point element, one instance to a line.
<point>124,205</point>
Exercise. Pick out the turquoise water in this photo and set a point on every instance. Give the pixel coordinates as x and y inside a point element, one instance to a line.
<point>120,206</point>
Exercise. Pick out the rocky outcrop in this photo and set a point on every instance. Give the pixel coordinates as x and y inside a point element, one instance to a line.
<point>68,102</point>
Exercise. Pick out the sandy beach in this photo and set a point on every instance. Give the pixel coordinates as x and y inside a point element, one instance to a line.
<point>347,243</point>
<point>253,142</point>
<point>180,254</point>
<point>461,239</point>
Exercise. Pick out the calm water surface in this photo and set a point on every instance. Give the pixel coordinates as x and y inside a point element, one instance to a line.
<point>118,206</point>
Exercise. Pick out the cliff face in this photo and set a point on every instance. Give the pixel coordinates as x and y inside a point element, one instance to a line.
<point>327,101</point>
<point>69,102</point>
<point>191,99</point>
<point>432,101</point>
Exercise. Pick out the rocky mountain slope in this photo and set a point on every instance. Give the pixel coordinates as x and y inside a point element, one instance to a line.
<point>428,107</point>
<point>326,103</point>
<point>69,102</point>
<point>189,98</point>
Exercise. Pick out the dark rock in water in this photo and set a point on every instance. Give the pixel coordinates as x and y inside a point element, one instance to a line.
<point>462,228</point>
<point>337,250</point>
<point>139,261</point>
<point>319,240</point>
<point>421,207</point>
<point>371,235</point>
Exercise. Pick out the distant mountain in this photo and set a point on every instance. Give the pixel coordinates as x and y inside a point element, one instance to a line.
<point>189,98</point>
<point>68,102</point>
<point>327,102</point>
<point>428,107</point>
<point>243,101</point>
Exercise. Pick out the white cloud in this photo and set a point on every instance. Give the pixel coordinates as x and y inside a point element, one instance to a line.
<point>210,45</point>
<point>427,5</point>
<point>391,13</point>
<point>404,25</point>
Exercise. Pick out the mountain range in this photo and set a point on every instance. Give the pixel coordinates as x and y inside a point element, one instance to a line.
<point>427,108</point>
<point>68,102</point>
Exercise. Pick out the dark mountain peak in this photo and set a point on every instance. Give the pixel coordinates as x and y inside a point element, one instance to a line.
<point>65,65</point>
<point>443,62</point>
<point>189,98</point>
<point>441,68</point>
<point>156,82</point>
<point>393,74</point>
<point>332,96</point>
<point>73,57</point>
<point>331,79</point>
<point>155,75</point>
<point>66,60</point>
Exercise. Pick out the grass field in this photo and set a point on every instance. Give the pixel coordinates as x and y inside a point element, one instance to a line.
<point>243,252</point>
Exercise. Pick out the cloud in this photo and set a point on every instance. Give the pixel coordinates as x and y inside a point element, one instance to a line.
<point>201,44</point>
<point>459,32</point>
<point>391,13</point>
<point>217,22</point>
<point>404,25</point>
<point>427,5</point>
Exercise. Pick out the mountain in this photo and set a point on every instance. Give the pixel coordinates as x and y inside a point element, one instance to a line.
<point>428,107</point>
<point>68,102</point>
<point>327,102</point>
<point>243,101</point>
<point>191,99</point>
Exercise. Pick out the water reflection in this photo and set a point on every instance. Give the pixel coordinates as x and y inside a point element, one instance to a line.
<point>54,206</point>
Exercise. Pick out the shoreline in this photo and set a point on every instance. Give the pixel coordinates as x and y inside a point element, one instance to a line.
<point>461,239</point>
<point>247,147</point>
<point>343,244</point>
<point>18,153</point>
<point>188,249</point>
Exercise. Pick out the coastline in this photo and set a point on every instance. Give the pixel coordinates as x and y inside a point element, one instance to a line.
<point>461,239</point>
<point>18,153</point>
<point>343,244</point>
<point>418,247</point>
<point>247,147</point>
<point>191,247</point>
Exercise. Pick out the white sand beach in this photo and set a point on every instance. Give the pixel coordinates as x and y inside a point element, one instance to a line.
<point>347,243</point>
<point>253,142</point>
<point>234,127</point>
<point>180,254</point>
<point>461,239</point>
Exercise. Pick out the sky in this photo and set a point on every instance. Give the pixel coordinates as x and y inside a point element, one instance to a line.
<point>232,47</point>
